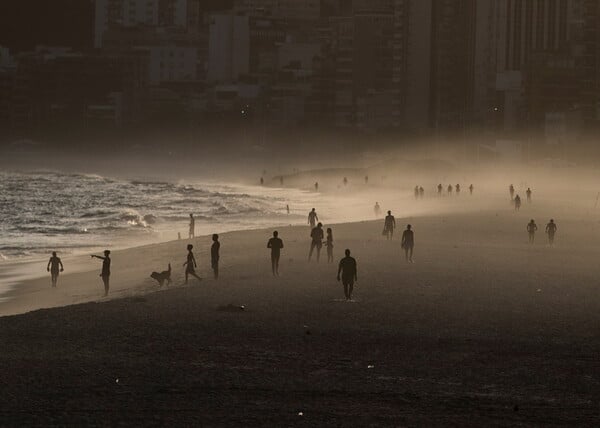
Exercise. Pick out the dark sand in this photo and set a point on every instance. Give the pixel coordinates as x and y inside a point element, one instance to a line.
<point>482,331</point>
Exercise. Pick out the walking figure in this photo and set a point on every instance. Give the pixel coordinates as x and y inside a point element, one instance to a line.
<point>531,229</point>
<point>440,188</point>
<point>192,232</point>
<point>421,192</point>
<point>215,255</point>
<point>262,181</point>
<point>317,186</point>
<point>450,188</point>
<point>317,241</point>
<point>275,244</point>
<point>329,245</point>
<point>105,274</point>
<point>389,225</point>
<point>313,218</point>
<point>349,274</point>
<point>408,243</point>
<point>529,195</point>
<point>191,265</point>
<point>53,267</point>
<point>416,192</point>
<point>551,231</point>
<point>471,189</point>
<point>511,190</point>
<point>458,189</point>
<point>377,210</point>
<point>287,207</point>
<point>517,203</point>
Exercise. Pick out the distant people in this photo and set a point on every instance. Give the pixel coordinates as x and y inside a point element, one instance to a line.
<point>54,267</point>
<point>551,231</point>
<point>408,243</point>
<point>349,274</point>
<point>313,218</point>
<point>317,186</point>
<point>275,244</point>
<point>377,210</point>
<point>317,241</point>
<point>105,274</point>
<point>191,265</point>
<point>345,181</point>
<point>287,208</point>
<point>262,181</point>
<point>517,203</point>
<point>458,189</point>
<point>329,245</point>
<point>529,192</point>
<point>421,192</point>
<point>389,225</point>
<point>440,188</point>
<point>450,188</point>
<point>215,250</point>
<point>192,232</point>
<point>471,188</point>
<point>531,229</point>
<point>416,192</point>
<point>511,190</point>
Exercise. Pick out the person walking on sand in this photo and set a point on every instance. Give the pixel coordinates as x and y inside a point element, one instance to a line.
<point>511,190</point>
<point>408,243</point>
<point>276,245</point>
<point>313,218</point>
<point>191,265</point>
<point>421,192</point>
<point>458,189</point>
<point>416,192</point>
<point>531,229</point>
<point>517,203</point>
<point>317,241</point>
<point>529,192</point>
<point>440,188</point>
<point>317,186</point>
<point>105,274</point>
<point>551,231</point>
<point>262,181</point>
<point>329,245</point>
<point>450,188</point>
<point>287,207</point>
<point>471,188</point>
<point>53,267</point>
<point>389,225</point>
<point>377,210</point>
<point>215,255</point>
<point>349,274</point>
<point>192,232</point>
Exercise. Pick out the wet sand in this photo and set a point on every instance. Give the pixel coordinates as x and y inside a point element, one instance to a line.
<point>483,330</point>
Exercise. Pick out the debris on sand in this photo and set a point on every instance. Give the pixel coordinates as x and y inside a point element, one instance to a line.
<point>231,308</point>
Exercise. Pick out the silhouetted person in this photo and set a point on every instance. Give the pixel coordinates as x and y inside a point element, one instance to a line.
<point>517,203</point>
<point>421,192</point>
<point>366,179</point>
<point>528,195</point>
<point>471,188</point>
<point>450,188</point>
<point>317,241</point>
<point>408,243</point>
<point>190,265</point>
<point>313,218</point>
<point>458,189</point>
<point>389,225</point>
<point>317,186</point>
<point>215,255</point>
<point>440,188</point>
<point>287,207</point>
<point>511,190</point>
<point>329,245</point>
<point>377,210</point>
<point>551,231</point>
<point>416,192</point>
<point>349,274</point>
<point>276,245</point>
<point>262,181</point>
<point>531,229</point>
<point>54,267</point>
<point>105,274</point>
<point>192,232</point>
<point>345,181</point>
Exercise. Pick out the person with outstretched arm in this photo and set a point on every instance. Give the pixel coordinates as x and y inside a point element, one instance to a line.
<point>348,274</point>
<point>105,274</point>
<point>53,267</point>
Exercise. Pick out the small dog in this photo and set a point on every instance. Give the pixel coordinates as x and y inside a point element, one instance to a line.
<point>162,276</point>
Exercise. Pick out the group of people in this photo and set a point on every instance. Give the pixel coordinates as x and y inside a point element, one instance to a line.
<point>516,200</point>
<point>551,229</point>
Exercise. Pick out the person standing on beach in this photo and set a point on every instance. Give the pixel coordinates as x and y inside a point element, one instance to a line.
<point>458,189</point>
<point>317,186</point>
<point>214,255</point>
<point>313,218</point>
<point>551,231</point>
<point>389,225</point>
<point>192,232</point>
<point>105,274</point>
<point>421,192</point>
<point>511,190</point>
<point>349,274</point>
<point>517,203</point>
<point>287,207</point>
<point>531,229</point>
<point>377,210</point>
<point>317,241</point>
<point>329,245</point>
<point>408,243</point>
<point>471,189</point>
<point>276,245</point>
<point>528,195</point>
<point>450,188</point>
<point>190,265</point>
<point>440,188</point>
<point>53,267</point>
<point>416,192</point>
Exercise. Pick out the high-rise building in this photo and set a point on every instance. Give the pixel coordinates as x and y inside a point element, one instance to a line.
<point>229,47</point>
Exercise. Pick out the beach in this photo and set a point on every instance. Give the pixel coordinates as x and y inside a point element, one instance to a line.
<point>483,330</point>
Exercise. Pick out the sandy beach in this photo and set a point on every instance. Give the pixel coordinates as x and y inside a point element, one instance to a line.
<point>483,330</point>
